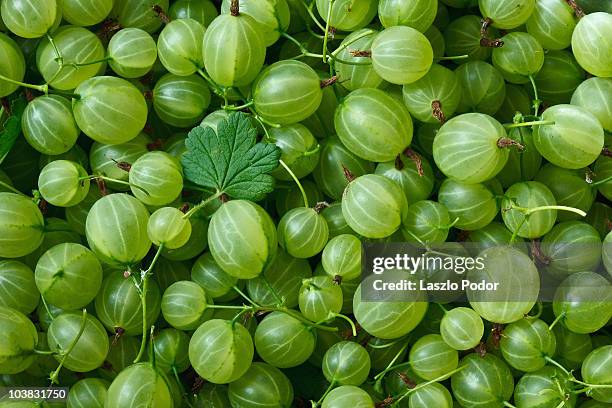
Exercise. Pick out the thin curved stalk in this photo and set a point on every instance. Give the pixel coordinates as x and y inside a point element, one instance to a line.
<point>54,375</point>
<point>297,181</point>
<point>144,289</point>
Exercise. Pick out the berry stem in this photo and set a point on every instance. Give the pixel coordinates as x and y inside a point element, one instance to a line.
<point>297,181</point>
<point>144,285</point>
<point>238,316</point>
<point>341,316</point>
<point>39,88</point>
<point>313,151</point>
<point>238,108</point>
<point>227,307</point>
<point>266,282</point>
<point>43,352</point>
<point>455,57</point>
<point>600,182</point>
<point>326,31</point>
<point>534,123</point>
<point>309,9</point>
<point>536,100</point>
<point>392,366</point>
<point>435,380</point>
<point>58,55</point>
<point>213,85</point>
<point>241,293</point>
<point>202,203</point>
<point>559,366</point>
<point>96,177</point>
<point>353,40</point>
<point>557,320</point>
<point>509,405</point>
<point>46,306</point>
<point>152,346</point>
<point>327,391</point>
<point>83,64</point>
<point>591,386</point>
<point>339,60</point>
<point>529,211</point>
<point>282,309</point>
<point>54,375</point>
<point>445,310</point>
<point>13,189</point>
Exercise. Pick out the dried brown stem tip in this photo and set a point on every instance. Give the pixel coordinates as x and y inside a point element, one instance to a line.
<point>384,403</point>
<point>235,8</point>
<point>399,164</point>
<point>504,142</point>
<point>606,152</point>
<point>484,28</point>
<point>496,332</point>
<point>198,383</point>
<point>537,254</point>
<point>481,349</point>
<point>108,28</point>
<point>102,186</point>
<point>436,111</point>
<point>412,155</point>
<point>43,206</point>
<point>157,144</point>
<point>159,11</point>
<point>407,380</point>
<point>320,206</point>
<point>486,42</point>
<point>328,82</point>
<point>125,166</point>
<point>577,9</point>
<point>484,34</point>
<point>347,174</point>
<point>361,53</point>
<point>331,33</point>
<point>118,333</point>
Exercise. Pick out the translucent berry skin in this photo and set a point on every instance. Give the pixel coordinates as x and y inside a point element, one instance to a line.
<point>373,125</point>
<point>374,206</point>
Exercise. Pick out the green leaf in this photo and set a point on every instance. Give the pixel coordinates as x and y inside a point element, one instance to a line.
<point>230,161</point>
<point>11,128</point>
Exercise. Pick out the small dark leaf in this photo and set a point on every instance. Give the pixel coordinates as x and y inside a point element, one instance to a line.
<point>12,126</point>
